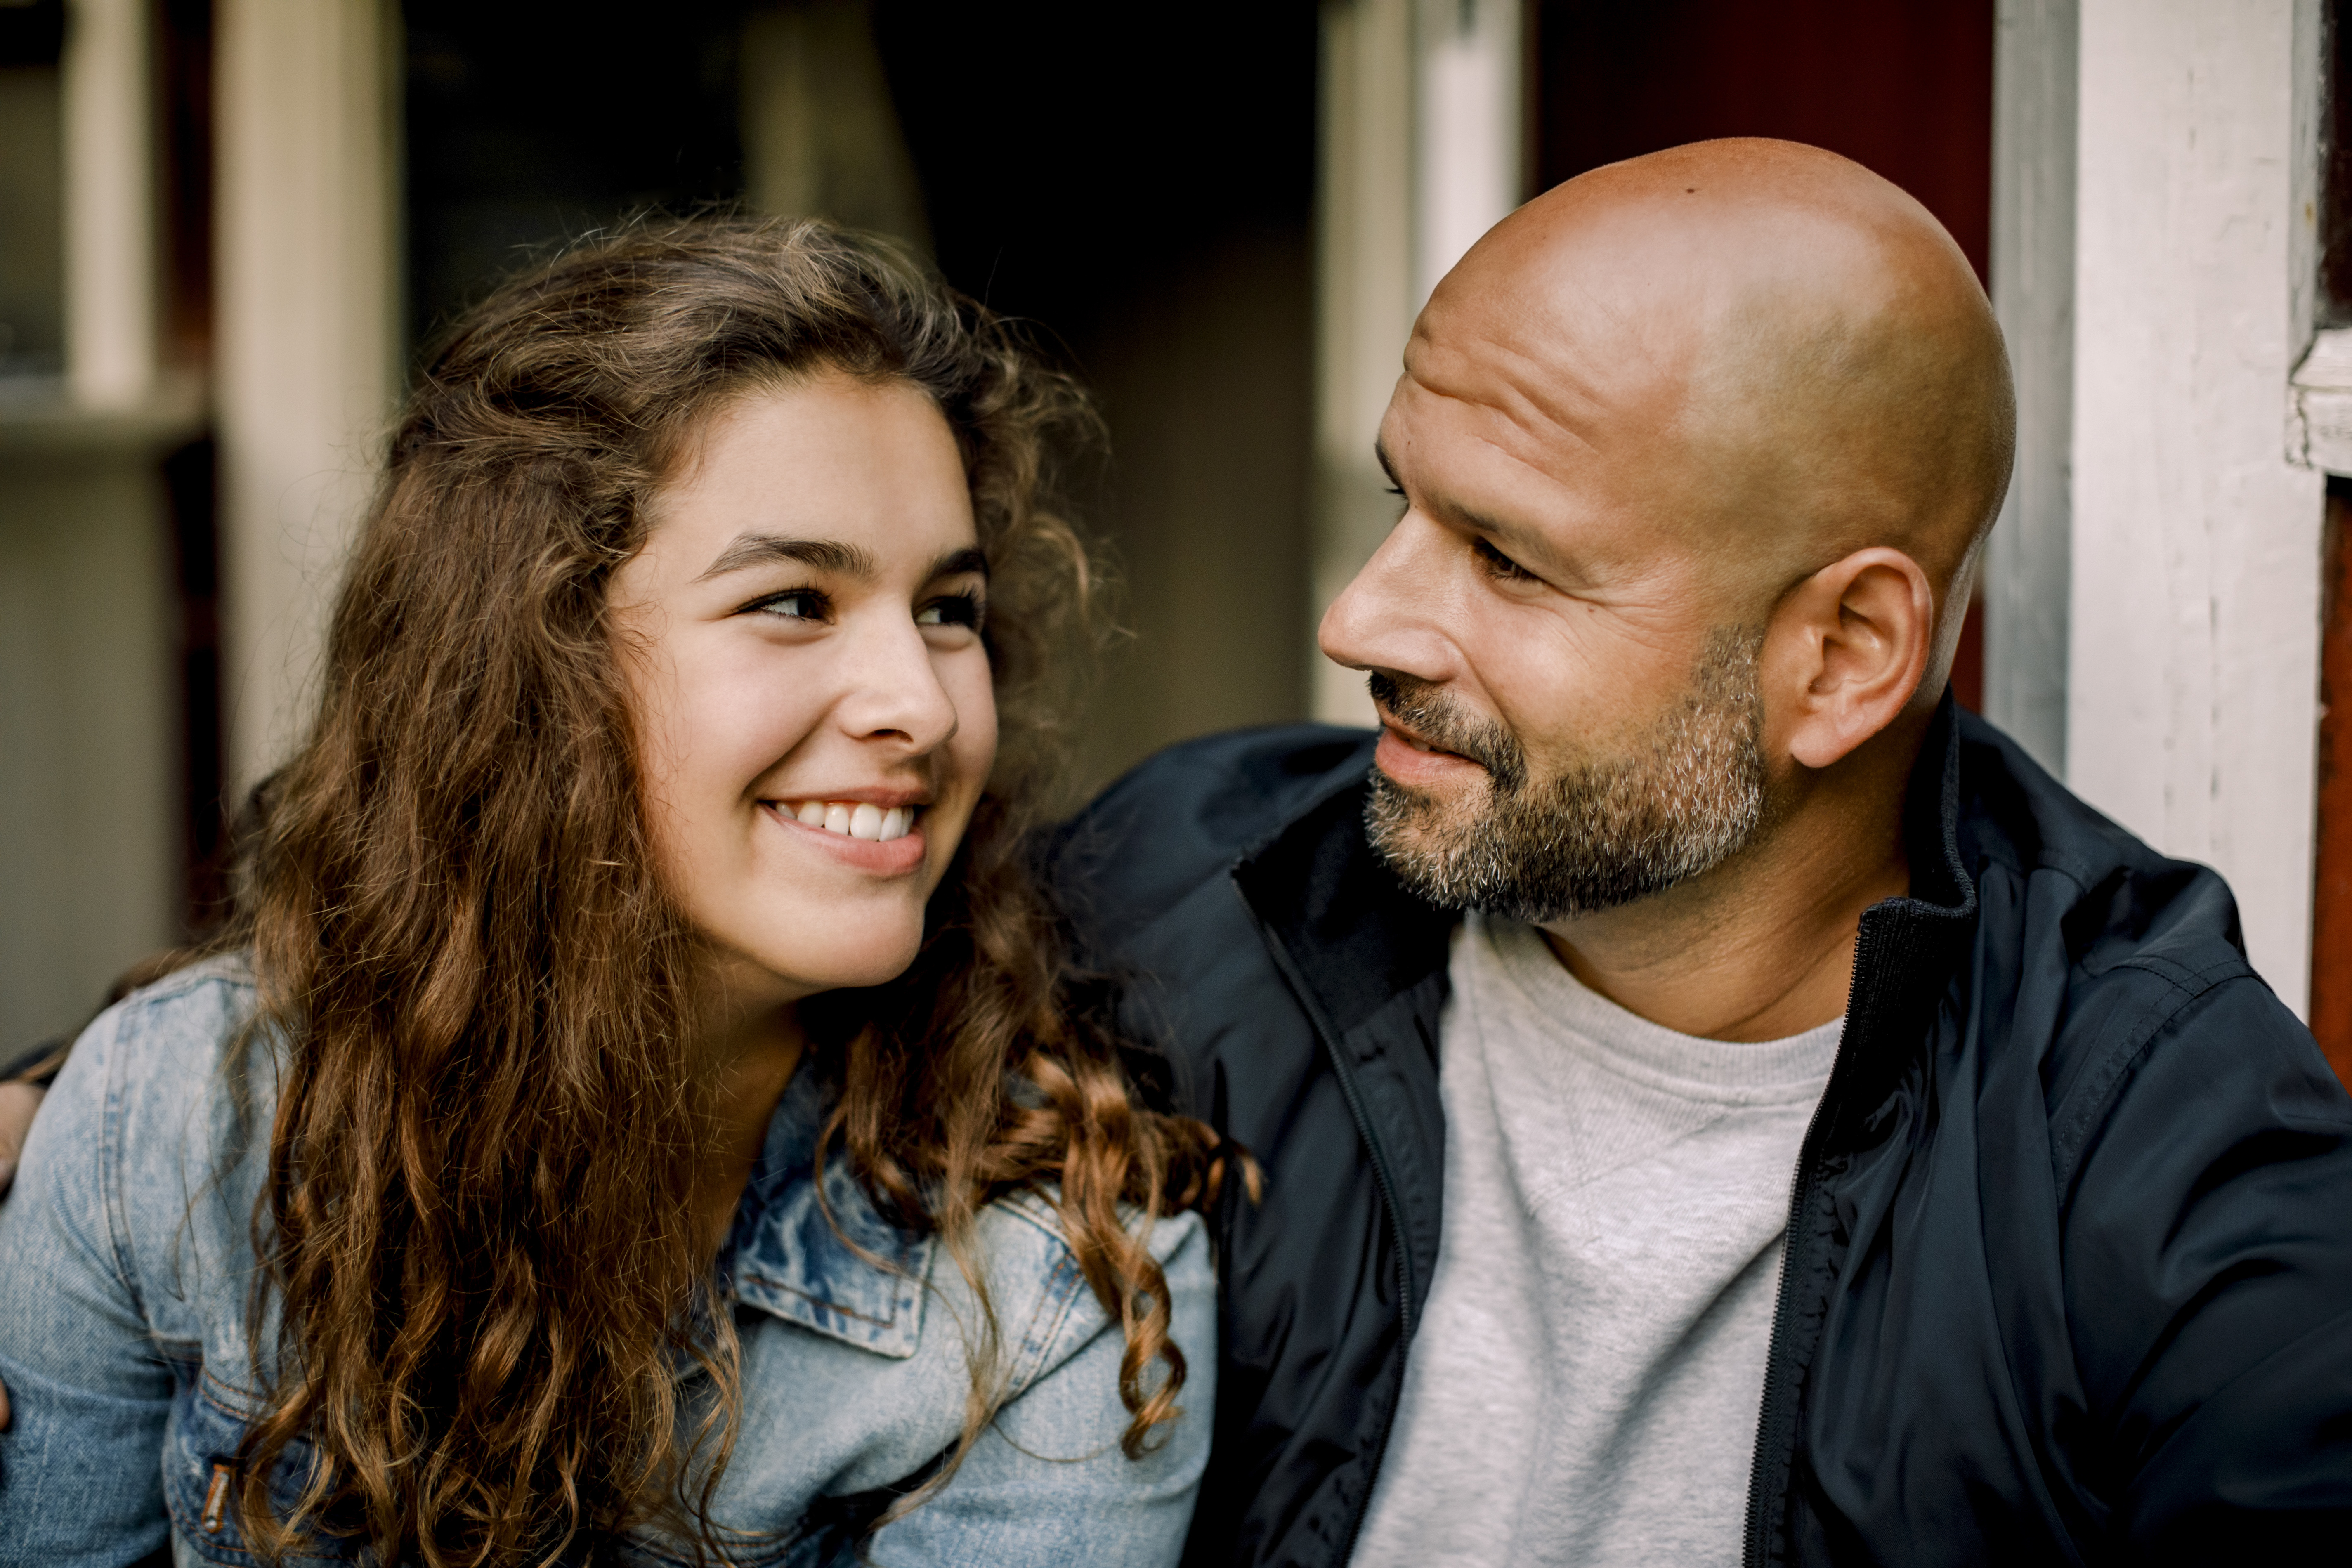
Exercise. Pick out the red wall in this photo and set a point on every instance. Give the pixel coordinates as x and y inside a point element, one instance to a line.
<point>2331,926</point>
<point>1903,88</point>
<point>1906,89</point>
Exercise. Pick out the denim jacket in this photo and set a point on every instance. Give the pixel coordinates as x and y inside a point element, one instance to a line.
<point>125,1266</point>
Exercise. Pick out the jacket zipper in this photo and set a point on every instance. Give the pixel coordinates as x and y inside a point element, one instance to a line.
<point>1776,1421</point>
<point>1381,1180</point>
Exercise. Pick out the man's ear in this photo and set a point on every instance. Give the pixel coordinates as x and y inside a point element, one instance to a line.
<point>1845,653</point>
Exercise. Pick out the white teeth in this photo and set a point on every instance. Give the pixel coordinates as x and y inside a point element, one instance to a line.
<point>852,819</point>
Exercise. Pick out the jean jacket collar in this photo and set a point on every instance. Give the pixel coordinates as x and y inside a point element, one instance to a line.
<point>785,1257</point>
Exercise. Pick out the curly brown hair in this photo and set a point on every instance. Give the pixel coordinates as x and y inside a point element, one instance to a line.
<point>475,1226</point>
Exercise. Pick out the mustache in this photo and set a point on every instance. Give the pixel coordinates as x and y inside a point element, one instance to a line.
<point>1424,706</point>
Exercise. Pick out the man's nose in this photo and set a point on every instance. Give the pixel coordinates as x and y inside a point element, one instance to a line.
<point>1389,615</point>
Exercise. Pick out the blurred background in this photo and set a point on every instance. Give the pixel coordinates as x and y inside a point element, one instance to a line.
<point>228,225</point>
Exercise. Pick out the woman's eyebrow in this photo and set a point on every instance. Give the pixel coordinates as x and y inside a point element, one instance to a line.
<point>956,563</point>
<point>824,554</point>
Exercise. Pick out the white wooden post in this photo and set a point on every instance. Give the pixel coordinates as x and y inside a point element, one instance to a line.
<point>1364,303</point>
<point>1420,152</point>
<point>1470,128</point>
<point>109,198</point>
<point>308,334</point>
<point>2191,683</point>
<point>2028,557</point>
<point>820,134</point>
<point>89,847</point>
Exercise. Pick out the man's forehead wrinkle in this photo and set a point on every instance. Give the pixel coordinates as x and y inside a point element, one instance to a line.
<point>1533,454</point>
<point>1541,399</point>
<point>1576,333</point>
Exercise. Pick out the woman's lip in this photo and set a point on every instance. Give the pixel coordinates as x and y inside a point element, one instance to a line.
<point>881,857</point>
<point>882,796</point>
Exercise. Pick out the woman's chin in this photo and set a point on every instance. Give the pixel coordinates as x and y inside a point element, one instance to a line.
<point>846,959</point>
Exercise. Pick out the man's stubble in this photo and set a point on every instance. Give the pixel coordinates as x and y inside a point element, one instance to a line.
<point>1600,832</point>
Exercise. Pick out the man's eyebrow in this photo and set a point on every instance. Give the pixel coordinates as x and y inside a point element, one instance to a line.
<point>1516,538</point>
<point>824,554</point>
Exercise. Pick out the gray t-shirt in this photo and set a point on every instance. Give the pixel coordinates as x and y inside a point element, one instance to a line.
<point>1584,1385</point>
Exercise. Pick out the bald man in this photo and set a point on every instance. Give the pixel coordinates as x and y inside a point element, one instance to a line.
<point>1716,1101</point>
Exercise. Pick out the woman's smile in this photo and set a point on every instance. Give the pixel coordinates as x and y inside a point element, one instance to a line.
<point>850,818</point>
<point>884,841</point>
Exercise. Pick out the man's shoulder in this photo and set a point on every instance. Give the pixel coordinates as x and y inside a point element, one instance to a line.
<point>1189,813</point>
<point>2131,906</point>
<point>2158,982</point>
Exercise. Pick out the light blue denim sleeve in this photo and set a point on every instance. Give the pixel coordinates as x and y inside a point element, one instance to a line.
<point>80,1467</point>
<point>1047,1484</point>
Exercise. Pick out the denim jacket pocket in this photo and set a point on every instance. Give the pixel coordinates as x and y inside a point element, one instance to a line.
<point>201,1480</point>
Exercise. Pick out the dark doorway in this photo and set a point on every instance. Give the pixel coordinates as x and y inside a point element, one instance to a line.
<point>1136,183</point>
<point>1139,181</point>
<point>531,124</point>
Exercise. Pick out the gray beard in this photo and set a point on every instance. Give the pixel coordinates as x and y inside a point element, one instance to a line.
<point>1601,833</point>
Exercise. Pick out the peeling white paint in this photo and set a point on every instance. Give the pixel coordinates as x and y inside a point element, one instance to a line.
<point>2192,702</point>
<point>2319,413</point>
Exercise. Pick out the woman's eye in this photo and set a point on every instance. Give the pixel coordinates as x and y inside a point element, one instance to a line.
<point>956,610</point>
<point>1498,565</point>
<point>795,605</point>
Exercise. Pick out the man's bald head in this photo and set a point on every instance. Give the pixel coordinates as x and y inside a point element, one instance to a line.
<point>1783,353</point>
<point>1696,453</point>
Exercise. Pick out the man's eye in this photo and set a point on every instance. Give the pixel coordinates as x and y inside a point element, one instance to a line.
<point>1501,565</point>
<point>955,610</point>
<point>794,604</point>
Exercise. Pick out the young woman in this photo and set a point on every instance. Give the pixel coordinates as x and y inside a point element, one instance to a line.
<point>641,1114</point>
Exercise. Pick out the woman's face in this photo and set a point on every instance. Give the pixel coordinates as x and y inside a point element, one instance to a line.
<point>801,633</point>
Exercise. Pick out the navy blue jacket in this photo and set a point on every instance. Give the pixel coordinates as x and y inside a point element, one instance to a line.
<point>2068,1274</point>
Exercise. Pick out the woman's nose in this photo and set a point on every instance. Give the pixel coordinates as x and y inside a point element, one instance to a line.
<point>895,690</point>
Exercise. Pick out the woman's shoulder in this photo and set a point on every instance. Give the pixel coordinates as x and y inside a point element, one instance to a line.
<point>1025,1239</point>
<point>831,1263</point>
<point>166,1099</point>
<point>167,1050</point>
<point>869,1372</point>
<point>209,998</point>
<point>140,1177</point>
<point>1047,1310</point>
<point>160,1047</point>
